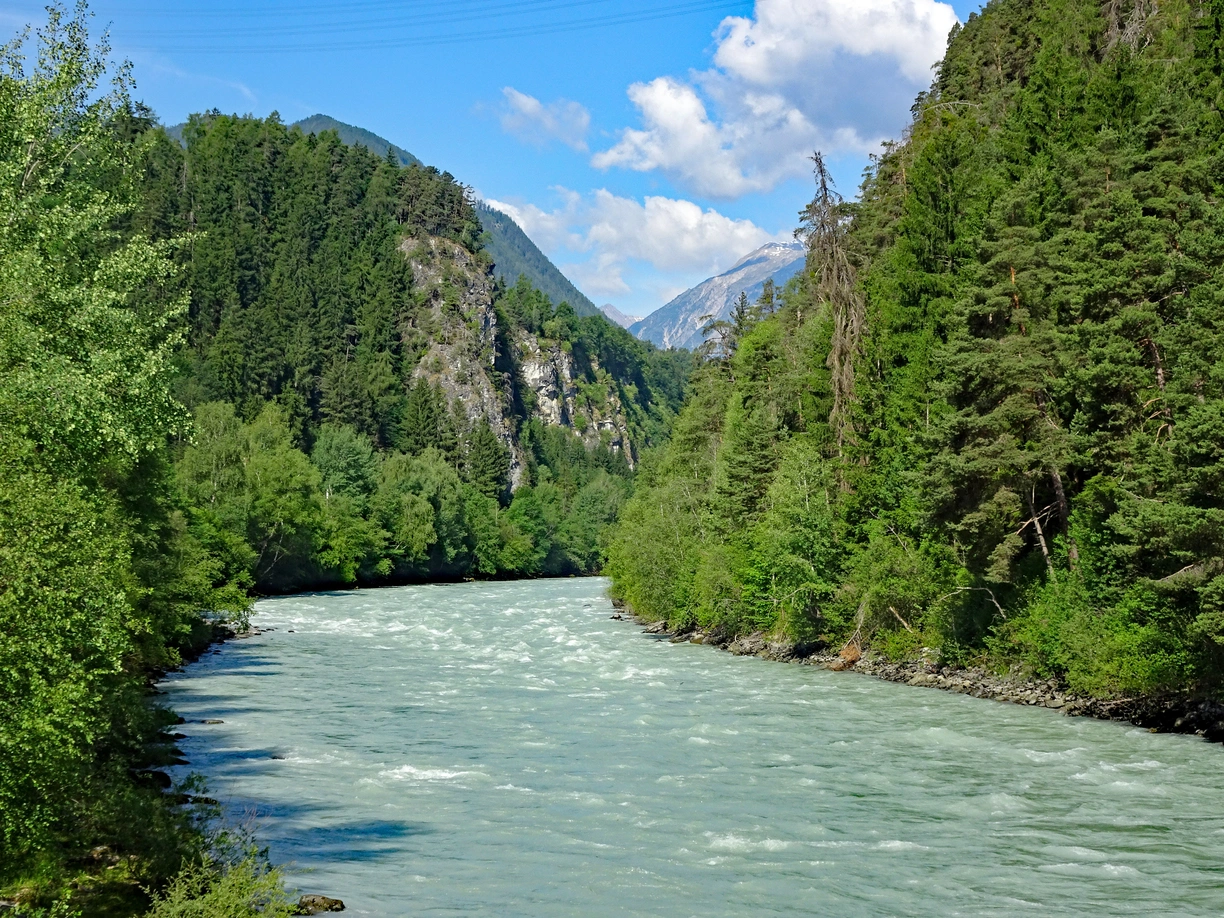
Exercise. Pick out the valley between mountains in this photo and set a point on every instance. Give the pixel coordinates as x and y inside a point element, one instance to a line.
<point>966,430</point>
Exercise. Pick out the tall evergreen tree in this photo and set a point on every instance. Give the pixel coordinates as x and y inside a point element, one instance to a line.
<point>488,461</point>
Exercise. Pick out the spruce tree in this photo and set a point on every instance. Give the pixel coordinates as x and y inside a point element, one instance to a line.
<point>419,425</point>
<point>487,463</point>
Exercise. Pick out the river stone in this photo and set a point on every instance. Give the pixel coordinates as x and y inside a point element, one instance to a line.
<point>314,904</point>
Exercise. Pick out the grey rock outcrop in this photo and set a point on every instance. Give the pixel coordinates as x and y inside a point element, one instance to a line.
<point>462,355</point>
<point>314,904</point>
<point>462,359</point>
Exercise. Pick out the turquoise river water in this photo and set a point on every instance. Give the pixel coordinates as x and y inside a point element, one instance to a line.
<point>509,750</point>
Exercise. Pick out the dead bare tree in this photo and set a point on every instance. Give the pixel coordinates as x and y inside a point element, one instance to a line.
<point>1128,23</point>
<point>823,229</point>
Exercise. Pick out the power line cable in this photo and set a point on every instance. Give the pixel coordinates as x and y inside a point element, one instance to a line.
<point>493,11</point>
<point>420,7</point>
<point>525,31</point>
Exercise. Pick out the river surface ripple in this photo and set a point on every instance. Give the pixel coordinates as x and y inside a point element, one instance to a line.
<point>508,750</point>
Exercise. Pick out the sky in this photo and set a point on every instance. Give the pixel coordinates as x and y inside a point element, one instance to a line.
<point>644,146</point>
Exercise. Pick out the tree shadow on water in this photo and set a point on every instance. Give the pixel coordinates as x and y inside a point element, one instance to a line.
<point>304,836</point>
<point>355,840</point>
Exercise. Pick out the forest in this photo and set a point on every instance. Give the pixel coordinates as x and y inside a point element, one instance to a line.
<point>316,456</point>
<point>987,421</point>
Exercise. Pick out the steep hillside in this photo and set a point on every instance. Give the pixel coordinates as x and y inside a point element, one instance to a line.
<point>515,255</point>
<point>989,420</point>
<point>679,323</point>
<point>342,307</point>
<point>351,134</point>
<point>512,251</point>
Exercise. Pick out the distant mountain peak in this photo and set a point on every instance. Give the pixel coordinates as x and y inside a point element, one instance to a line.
<point>679,323</point>
<point>770,250</point>
<point>620,318</point>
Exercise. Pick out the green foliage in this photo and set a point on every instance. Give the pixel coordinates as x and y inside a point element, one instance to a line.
<point>246,889</point>
<point>515,256</point>
<point>487,463</point>
<point>101,579</point>
<point>988,414</point>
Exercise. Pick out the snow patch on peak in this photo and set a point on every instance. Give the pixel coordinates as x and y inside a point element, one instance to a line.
<point>679,323</point>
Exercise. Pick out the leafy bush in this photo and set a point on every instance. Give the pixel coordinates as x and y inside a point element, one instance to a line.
<point>248,888</point>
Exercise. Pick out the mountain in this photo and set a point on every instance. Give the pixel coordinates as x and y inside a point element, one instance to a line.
<point>355,314</point>
<point>512,251</point>
<point>353,136</point>
<point>514,254</point>
<point>617,316</point>
<point>679,323</point>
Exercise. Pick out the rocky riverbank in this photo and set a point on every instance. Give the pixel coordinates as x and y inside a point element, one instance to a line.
<point>1161,714</point>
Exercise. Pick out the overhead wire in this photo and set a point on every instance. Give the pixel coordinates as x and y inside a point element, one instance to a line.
<point>349,24</point>
<point>457,8</point>
<point>443,38</point>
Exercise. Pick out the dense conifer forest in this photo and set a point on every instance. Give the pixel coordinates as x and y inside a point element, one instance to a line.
<point>988,419</point>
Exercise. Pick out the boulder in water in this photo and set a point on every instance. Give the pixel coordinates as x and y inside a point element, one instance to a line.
<point>314,904</point>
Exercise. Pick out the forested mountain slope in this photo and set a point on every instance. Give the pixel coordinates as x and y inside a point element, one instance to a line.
<point>353,135</point>
<point>341,306</point>
<point>512,251</point>
<point>515,255</point>
<point>988,417</point>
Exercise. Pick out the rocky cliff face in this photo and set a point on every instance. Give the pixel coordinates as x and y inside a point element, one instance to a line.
<point>462,358</point>
<point>595,413</point>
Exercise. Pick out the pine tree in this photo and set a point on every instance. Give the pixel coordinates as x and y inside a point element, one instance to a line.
<point>419,425</point>
<point>823,228</point>
<point>487,463</point>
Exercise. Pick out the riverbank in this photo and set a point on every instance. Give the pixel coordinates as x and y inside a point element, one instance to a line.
<point>1160,714</point>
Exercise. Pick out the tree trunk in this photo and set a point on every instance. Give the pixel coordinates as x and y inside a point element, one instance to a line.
<point>1045,548</point>
<point>1064,516</point>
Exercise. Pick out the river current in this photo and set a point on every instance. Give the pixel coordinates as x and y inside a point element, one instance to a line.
<point>509,750</point>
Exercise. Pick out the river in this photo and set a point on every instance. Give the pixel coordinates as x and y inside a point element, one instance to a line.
<point>509,750</point>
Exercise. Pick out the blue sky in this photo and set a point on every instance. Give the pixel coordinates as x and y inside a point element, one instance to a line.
<point>643,145</point>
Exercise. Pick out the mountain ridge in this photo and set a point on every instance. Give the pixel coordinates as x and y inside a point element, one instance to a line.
<point>512,250</point>
<point>679,323</point>
<point>353,135</point>
<point>515,255</point>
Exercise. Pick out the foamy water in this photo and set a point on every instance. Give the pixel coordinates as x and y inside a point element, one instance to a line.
<point>508,750</point>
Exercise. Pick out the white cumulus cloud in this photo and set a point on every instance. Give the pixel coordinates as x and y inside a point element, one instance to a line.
<point>838,75</point>
<point>529,119</point>
<point>606,236</point>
